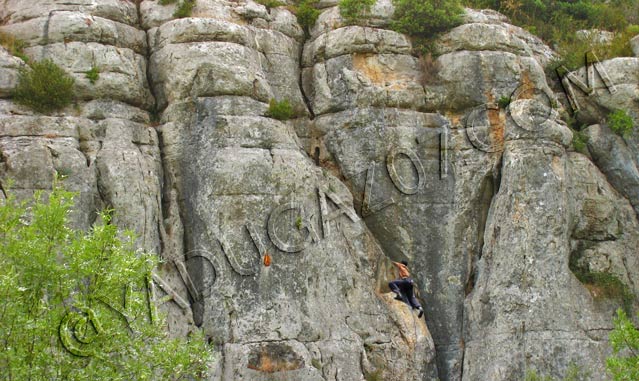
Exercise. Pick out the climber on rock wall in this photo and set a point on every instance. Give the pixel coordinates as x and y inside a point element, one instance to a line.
<point>404,287</point>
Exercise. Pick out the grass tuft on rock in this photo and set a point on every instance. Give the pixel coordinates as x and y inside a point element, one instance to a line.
<point>44,87</point>
<point>281,110</point>
<point>93,75</point>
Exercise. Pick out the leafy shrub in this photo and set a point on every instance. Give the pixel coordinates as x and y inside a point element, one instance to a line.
<point>354,10</point>
<point>307,14</point>
<point>14,46</point>
<point>623,365</point>
<point>93,75</point>
<point>426,19</point>
<point>167,2</point>
<point>620,123</point>
<point>280,110</point>
<point>44,87</point>
<point>60,290</point>
<point>580,142</point>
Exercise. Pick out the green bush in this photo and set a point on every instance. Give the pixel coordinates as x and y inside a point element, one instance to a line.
<point>44,87</point>
<point>354,10</point>
<point>61,292</point>
<point>620,123</point>
<point>426,18</point>
<point>280,110</point>
<point>623,365</point>
<point>93,75</point>
<point>184,9</point>
<point>307,14</point>
<point>167,2</point>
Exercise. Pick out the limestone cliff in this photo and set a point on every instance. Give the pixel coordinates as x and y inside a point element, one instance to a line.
<point>492,206</point>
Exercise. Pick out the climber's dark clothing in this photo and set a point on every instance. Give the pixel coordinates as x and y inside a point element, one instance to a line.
<point>404,289</point>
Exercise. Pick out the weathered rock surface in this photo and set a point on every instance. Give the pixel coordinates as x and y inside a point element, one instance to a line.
<point>388,157</point>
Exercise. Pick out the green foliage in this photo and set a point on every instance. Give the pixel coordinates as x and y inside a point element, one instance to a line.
<point>14,46</point>
<point>556,22</point>
<point>61,292</point>
<point>580,142</point>
<point>354,10</point>
<point>504,101</point>
<point>374,376</point>
<point>167,2</point>
<point>93,75</point>
<point>270,3</point>
<point>620,122</point>
<point>280,110</point>
<point>623,365</point>
<point>44,87</point>
<point>574,373</point>
<point>602,285</point>
<point>298,222</point>
<point>426,18</point>
<point>317,364</point>
<point>184,9</point>
<point>531,375</point>
<point>307,14</point>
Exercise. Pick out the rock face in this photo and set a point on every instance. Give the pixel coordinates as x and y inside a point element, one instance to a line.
<point>286,229</point>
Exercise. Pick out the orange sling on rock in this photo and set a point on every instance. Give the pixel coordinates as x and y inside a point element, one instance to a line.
<point>267,260</point>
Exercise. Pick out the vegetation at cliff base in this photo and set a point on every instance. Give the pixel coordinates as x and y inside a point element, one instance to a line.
<point>74,303</point>
<point>623,365</point>
<point>44,87</point>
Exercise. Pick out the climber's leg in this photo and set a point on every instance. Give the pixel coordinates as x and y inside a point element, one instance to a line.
<point>410,294</point>
<point>396,286</point>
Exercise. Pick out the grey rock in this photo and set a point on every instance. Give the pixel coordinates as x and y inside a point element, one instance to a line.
<point>67,26</point>
<point>9,70</point>
<point>122,71</point>
<point>614,158</point>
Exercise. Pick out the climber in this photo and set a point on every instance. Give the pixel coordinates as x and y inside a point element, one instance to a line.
<point>404,287</point>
